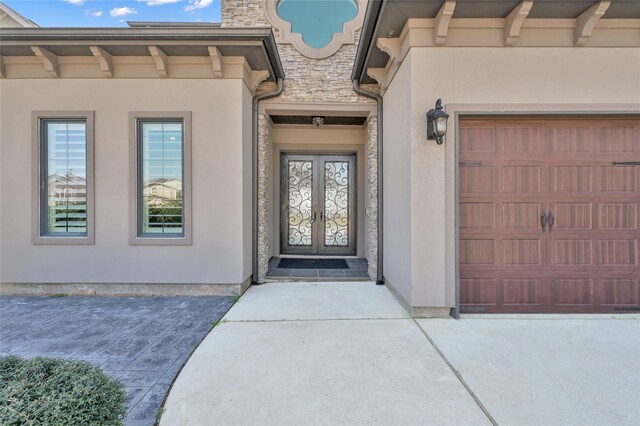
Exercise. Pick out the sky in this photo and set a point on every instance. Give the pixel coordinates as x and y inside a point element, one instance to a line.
<point>114,13</point>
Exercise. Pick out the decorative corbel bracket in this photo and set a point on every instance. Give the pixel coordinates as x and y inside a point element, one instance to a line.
<point>49,60</point>
<point>105,60</point>
<point>379,75</point>
<point>256,78</point>
<point>514,21</point>
<point>390,46</point>
<point>161,60</point>
<point>588,20</point>
<point>216,61</point>
<point>443,18</point>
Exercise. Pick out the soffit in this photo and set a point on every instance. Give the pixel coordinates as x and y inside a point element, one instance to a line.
<point>328,120</point>
<point>394,14</point>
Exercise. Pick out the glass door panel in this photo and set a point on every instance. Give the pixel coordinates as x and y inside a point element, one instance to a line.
<point>318,204</point>
<point>300,203</point>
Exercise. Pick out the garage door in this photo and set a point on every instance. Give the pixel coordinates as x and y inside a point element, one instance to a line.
<point>549,214</point>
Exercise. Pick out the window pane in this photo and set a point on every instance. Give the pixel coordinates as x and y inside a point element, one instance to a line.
<point>161,168</point>
<point>65,205</point>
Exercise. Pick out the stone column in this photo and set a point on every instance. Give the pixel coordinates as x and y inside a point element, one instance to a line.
<point>264,203</point>
<point>372,199</point>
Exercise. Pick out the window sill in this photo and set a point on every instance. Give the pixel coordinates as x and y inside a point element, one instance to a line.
<point>44,240</point>
<point>160,241</point>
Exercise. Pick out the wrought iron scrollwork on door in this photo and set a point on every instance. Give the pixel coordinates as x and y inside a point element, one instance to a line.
<point>336,203</point>
<point>300,202</point>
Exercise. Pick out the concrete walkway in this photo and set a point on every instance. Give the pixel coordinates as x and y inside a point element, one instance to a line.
<point>348,354</point>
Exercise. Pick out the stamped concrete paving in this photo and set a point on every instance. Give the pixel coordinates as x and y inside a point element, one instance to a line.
<point>141,341</point>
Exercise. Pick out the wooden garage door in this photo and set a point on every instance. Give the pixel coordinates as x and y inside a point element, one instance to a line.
<point>584,175</point>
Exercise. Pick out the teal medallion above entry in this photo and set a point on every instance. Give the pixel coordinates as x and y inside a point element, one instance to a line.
<point>316,28</point>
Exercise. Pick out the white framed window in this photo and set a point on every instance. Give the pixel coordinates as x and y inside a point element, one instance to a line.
<point>63,197</point>
<point>161,178</point>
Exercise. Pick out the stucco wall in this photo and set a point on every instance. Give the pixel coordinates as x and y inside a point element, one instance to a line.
<point>492,80</point>
<point>397,228</point>
<point>221,136</point>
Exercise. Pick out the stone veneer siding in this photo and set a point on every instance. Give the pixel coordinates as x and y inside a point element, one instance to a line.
<point>372,196</point>
<point>307,80</point>
<point>264,196</point>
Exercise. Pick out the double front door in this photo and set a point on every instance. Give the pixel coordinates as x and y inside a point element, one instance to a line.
<point>318,204</point>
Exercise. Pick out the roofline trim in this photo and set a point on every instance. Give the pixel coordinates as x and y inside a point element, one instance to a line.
<point>102,36</point>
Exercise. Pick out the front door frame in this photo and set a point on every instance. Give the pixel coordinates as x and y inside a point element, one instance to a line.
<point>318,248</point>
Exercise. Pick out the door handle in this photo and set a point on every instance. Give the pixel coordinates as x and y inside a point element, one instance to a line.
<point>552,220</point>
<point>313,218</point>
<point>543,220</point>
<point>320,216</point>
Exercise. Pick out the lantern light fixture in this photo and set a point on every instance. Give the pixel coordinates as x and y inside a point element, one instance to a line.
<point>437,123</point>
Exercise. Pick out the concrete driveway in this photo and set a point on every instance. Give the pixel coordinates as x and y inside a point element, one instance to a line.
<point>141,341</point>
<point>348,354</point>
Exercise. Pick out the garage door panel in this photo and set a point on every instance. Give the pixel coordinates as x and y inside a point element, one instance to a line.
<point>477,215</point>
<point>572,252</point>
<point>618,178</point>
<point>622,138</point>
<point>572,215</point>
<point>524,292</point>
<point>521,215</point>
<point>621,215</point>
<point>522,251</point>
<point>477,140</point>
<point>524,139</point>
<point>573,291</point>
<point>477,252</point>
<point>479,291</point>
<point>620,292</point>
<point>620,252</point>
<point>572,139</point>
<point>590,260</point>
<point>521,179</point>
<point>477,179</point>
<point>571,179</point>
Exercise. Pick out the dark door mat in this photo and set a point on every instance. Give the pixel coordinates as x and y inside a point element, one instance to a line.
<point>287,263</point>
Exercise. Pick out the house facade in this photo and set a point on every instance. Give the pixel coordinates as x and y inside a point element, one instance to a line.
<point>274,135</point>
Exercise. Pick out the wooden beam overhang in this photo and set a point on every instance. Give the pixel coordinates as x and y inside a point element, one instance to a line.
<point>443,18</point>
<point>105,60</point>
<point>513,22</point>
<point>588,20</point>
<point>48,59</point>
<point>161,60</point>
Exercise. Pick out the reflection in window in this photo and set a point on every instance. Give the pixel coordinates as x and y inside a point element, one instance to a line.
<point>160,176</point>
<point>64,191</point>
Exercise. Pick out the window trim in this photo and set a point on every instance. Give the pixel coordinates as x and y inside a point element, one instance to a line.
<point>37,119</point>
<point>136,237</point>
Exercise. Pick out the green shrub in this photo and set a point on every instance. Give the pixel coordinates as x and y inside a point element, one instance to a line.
<point>53,391</point>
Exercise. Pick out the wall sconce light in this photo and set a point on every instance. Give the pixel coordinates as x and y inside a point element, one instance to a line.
<point>437,123</point>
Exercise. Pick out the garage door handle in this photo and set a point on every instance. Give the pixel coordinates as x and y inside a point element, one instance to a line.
<point>543,220</point>
<point>626,163</point>
<point>552,220</point>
